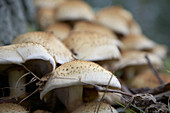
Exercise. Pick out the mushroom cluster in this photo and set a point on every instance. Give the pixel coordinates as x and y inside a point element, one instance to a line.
<point>73,58</point>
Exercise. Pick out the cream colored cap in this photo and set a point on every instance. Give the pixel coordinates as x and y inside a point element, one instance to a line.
<point>12,108</point>
<point>91,108</point>
<point>94,27</point>
<point>137,42</point>
<point>60,30</point>
<point>136,58</point>
<point>74,10</point>
<point>20,53</point>
<point>47,3</point>
<point>92,46</point>
<point>54,47</point>
<point>79,73</point>
<point>134,27</point>
<point>45,17</point>
<point>115,18</point>
<point>160,50</point>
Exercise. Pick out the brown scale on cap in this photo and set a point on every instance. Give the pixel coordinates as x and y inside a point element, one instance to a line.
<point>54,46</point>
<point>92,46</point>
<point>12,108</point>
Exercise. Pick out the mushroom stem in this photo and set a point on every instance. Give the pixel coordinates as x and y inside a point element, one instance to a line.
<point>13,76</point>
<point>71,97</point>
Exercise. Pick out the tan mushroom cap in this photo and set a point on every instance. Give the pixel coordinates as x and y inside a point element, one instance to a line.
<point>136,58</point>
<point>115,18</point>
<point>60,30</point>
<point>20,53</point>
<point>47,3</point>
<point>137,42</point>
<point>134,27</point>
<point>45,17</point>
<point>54,47</point>
<point>12,108</point>
<point>74,10</point>
<point>90,108</point>
<point>79,73</point>
<point>160,50</point>
<point>89,26</point>
<point>148,79</point>
<point>92,46</point>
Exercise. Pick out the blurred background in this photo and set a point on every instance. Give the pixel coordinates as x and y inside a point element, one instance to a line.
<point>152,15</point>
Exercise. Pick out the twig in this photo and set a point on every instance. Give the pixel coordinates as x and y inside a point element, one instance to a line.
<point>154,70</point>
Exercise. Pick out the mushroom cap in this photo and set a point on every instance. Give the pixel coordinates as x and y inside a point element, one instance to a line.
<point>20,53</point>
<point>54,46</point>
<point>115,18</point>
<point>136,58</point>
<point>90,108</point>
<point>134,27</point>
<point>47,3</point>
<point>74,10</point>
<point>60,30</point>
<point>12,108</point>
<point>89,26</point>
<point>160,50</point>
<point>137,42</point>
<point>148,79</point>
<point>92,46</point>
<point>45,17</point>
<point>79,73</point>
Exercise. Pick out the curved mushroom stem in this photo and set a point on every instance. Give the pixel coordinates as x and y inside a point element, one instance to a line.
<point>13,76</point>
<point>71,97</point>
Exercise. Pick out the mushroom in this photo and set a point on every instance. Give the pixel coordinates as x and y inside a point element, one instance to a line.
<point>45,17</point>
<point>31,55</point>
<point>12,108</point>
<point>70,77</point>
<point>74,10</point>
<point>54,46</point>
<point>134,27</point>
<point>137,42</point>
<point>160,50</point>
<point>116,18</point>
<point>132,61</point>
<point>92,46</point>
<point>148,79</point>
<point>93,106</point>
<point>94,27</point>
<point>60,30</point>
<point>47,3</point>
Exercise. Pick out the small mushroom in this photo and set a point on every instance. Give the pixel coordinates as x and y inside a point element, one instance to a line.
<point>137,42</point>
<point>45,17</point>
<point>31,55</point>
<point>93,106</point>
<point>12,108</point>
<point>116,18</point>
<point>74,10</point>
<point>54,46</point>
<point>60,30</point>
<point>148,79</point>
<point>71,76</point>
<point>92,46</point>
